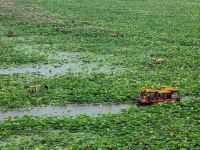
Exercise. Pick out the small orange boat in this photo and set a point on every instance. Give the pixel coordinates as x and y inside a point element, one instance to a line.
<point>150,96</point>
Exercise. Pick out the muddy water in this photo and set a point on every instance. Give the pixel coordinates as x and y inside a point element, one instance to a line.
<point>78,62</point>
<point>70,110</point>
<point>186,98</point>
<point>56,69</point>
<point>46,70</point>
<point>57,54</point>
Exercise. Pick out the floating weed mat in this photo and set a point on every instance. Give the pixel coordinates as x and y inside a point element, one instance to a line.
<point>162,126</point>
<point>130,34</point>
<point>56,52</point>
<point>20,12</point>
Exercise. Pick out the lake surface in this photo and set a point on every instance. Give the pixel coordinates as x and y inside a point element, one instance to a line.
<point>70,110</point>
<point>52,70</point>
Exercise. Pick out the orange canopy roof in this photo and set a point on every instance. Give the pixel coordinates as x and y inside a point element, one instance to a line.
<point>164,91</point>
<point>170,89</point>
<point>150,90</point>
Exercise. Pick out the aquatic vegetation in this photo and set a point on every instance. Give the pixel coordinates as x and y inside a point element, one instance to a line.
<point>64,62</point>
<point>162,126</point>
<point>113,49</point>
<point>99,52</point>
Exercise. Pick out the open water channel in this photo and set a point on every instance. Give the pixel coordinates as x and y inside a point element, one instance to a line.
<point>70,110</point>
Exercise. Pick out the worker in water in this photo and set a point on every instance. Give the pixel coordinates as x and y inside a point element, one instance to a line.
<point>35,88</point>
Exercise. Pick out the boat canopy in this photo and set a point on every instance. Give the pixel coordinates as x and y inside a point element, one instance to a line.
<point>164,91</point>
<point>149,90</point>
<point>170,89</point>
